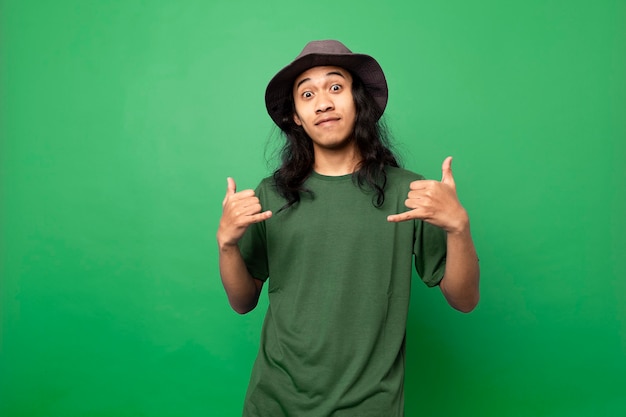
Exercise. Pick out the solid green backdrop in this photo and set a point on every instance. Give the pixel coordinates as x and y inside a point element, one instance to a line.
<point>120,121</point>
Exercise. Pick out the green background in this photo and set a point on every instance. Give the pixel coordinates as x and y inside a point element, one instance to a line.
<point>120,121</point>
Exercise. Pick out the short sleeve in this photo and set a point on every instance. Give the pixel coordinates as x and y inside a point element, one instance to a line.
<point>429,249</point>
<point>253,245</point>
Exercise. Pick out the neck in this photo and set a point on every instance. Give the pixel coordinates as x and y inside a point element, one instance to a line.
<point>336,162</point>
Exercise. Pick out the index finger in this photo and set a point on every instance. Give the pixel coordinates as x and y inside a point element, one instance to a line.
<point>236,196</point>
<point>245,194</point>
<point>420,184</point>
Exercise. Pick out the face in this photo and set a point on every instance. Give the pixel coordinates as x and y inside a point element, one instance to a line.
<point>325,106</point>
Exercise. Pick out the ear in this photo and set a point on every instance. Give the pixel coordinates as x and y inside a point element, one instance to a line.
<point>296,119</point>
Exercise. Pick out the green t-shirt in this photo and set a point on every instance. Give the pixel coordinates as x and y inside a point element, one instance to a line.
<point>333,339</point>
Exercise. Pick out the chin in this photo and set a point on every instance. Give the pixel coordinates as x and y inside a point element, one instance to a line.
<point>334,144</point>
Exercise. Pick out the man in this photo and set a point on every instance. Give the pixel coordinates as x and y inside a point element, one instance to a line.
<point>331,230</point>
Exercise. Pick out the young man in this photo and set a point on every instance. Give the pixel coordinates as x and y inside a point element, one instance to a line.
<point>331,231</point>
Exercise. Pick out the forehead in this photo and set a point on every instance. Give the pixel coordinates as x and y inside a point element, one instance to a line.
<point>321,72</point>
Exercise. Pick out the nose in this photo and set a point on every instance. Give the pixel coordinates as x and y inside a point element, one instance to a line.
<point>324,104</point>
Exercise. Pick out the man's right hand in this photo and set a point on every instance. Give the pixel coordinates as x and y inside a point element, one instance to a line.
<point>239,210</point>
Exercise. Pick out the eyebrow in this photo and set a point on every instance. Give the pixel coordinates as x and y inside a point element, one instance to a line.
<point>327,75</point>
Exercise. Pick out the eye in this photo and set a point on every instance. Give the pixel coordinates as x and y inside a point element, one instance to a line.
<point>335,87</point>
<point>307,94</point>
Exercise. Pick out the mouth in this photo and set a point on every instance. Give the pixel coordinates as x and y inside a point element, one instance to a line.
<point>327,121</point>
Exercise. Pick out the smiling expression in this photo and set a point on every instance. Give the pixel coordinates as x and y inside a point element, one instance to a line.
<point>324,106</point>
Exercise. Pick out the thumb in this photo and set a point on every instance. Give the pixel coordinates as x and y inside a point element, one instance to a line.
<point>446,171</point>
<point>232,187</point>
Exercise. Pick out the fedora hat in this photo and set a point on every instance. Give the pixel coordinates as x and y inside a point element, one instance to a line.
<point>324,53</point>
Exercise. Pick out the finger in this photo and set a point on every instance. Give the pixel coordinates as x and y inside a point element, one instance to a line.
<point>243,195</point>
<point>231,187</point>
<point>242,207</point>
<point>257,218</point>
<point>422,184</point>
<point>413,203</point>
<point>397,218</point>
<point>402,217</point>
<point>446,171</point>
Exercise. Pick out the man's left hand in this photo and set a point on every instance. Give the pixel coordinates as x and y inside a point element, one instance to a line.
<point>435,202</point>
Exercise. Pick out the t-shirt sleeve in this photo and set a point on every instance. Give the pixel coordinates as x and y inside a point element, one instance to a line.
<point>430,249</point>
<point>253,245</point>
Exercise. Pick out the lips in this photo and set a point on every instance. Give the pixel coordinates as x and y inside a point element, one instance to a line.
<point>326,121</point>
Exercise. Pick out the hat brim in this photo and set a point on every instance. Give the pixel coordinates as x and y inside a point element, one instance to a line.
<point>280,88</point>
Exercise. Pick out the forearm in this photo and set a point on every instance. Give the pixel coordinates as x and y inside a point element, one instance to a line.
<point>460,284</point>
<point>242,289</point>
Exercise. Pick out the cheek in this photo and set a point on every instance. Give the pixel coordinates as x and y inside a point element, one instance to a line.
<point>299,108</point>
<point>347,103</point>
<point>351,110</point>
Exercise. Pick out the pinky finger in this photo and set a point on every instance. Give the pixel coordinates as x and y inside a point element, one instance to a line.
<point>257,218</point>
<point>396,218</point>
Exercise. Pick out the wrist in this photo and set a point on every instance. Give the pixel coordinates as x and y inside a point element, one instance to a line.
<point>225,244</point>
<point>461,226</point>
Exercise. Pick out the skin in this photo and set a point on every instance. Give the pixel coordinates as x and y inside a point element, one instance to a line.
<point>325,109</point>
<point>239,210</point>
<point>436,202</point>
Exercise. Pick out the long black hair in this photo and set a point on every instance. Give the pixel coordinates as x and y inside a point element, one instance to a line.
<point>371,137</point>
